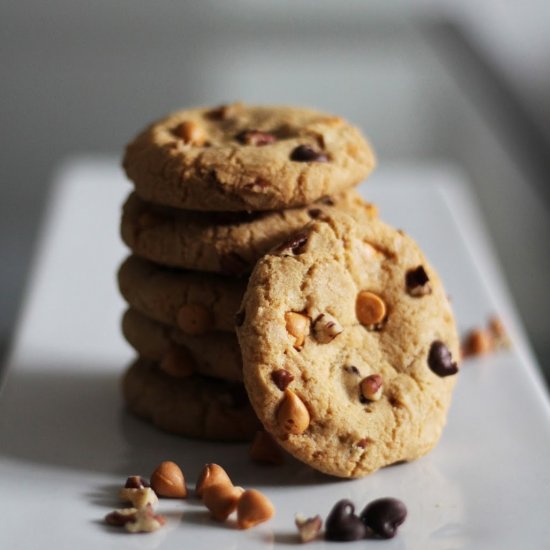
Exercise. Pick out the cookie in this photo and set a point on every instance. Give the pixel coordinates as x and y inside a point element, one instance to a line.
<point>348,344</point>
<point>228,243</point>
<point>194,407</point>
<point>246,158</point>
<point>215,354</point>
<point>195,303</point>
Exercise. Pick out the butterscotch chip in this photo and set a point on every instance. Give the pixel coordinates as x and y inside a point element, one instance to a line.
<point>478,342</point>
<point>370,308</point>
<point>221,499</point>
<point>191,132</point>
<point>292,415</point>
<point>211,474</point>
<point>335,414</point>
<point>168,481</point>
<point>253,508</point>
<point>194,319</point>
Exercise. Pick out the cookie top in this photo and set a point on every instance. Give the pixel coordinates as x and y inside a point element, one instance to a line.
<point>348,344</point>
<point>195,302</point>
<point>216,354</point>
<point>194,406</point>
<point>225,242</point>
<point>243,158</point>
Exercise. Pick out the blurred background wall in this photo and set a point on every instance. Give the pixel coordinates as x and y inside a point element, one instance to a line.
<point>463,82</point>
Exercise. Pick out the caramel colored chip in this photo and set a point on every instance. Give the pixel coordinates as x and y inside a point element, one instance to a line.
<point>253,508</point>
<point>221,499</point>
<point>211,474</point>
<point>194,319</point>
<point>191,133</point>
<point>292,415</point>
<point>370,308</point>
<point>168,481</point>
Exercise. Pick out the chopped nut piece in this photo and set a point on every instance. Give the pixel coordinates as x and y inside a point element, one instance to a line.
<point>295,244</point>
<point>292,415</point>
<point>253,508</point>
<point>221,499</point>
<point>168,480</point>
<point>372,387</point>
<point>309,528</point>
<point>255,137</point>
<point>297,325</point>
<point>326,328</point>
<point>211,474</point>
<point>136,482</point>
<point>305,153</point>
<point>146,521</point>
<point>177,362</point>
<point>370,309</point>
<point>499,333</point>
<point>282,378</point>
<point>418,282</point>
<point>264,450</point>
<point>191,133</point>
<point>194,319</point>
<point>139,497</point>
<point>121,517</point>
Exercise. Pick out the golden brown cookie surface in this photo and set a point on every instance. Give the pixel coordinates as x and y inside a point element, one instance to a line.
<point>194,406</point>
<point>348,345</point>
<point>223,242</point>
<point>244,158</point>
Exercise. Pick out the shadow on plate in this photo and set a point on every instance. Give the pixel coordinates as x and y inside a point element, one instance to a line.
<point>76,419</point>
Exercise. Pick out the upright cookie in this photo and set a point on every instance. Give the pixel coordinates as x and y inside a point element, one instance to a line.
<point>245,158</point>
<point>195,302</point>
<point>348,345</point>
<point>195,407</point>
<point>223,242</point>
<point>215,354</point>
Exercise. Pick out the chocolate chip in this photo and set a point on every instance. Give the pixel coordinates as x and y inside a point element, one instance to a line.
<point>417,282</point>
<point>342,524</point>
<point>296,244</point>
<point>136,482</point>
<point>305,153</point>
<point>314,213</point>
<point>329,201</point>
<point>233,264</point>
<point>352,369</point>
<point>384,516</point>
<point>239,318</point>
<point>282,378</point>
<point>255,137</point>
<point>440,360</point>
<point>362,443</point>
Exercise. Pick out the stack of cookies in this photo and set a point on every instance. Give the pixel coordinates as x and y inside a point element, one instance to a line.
<point>214,191</point>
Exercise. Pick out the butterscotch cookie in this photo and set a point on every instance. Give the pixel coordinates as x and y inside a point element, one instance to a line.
<point>246,158</point>
<point>215,354</point>
<point>194,406</point>
<point>195,303</point>
<point>349,346</point>
<point>228,243</point>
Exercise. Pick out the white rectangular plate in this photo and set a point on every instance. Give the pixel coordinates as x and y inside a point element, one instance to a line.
<point>66,442</point>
